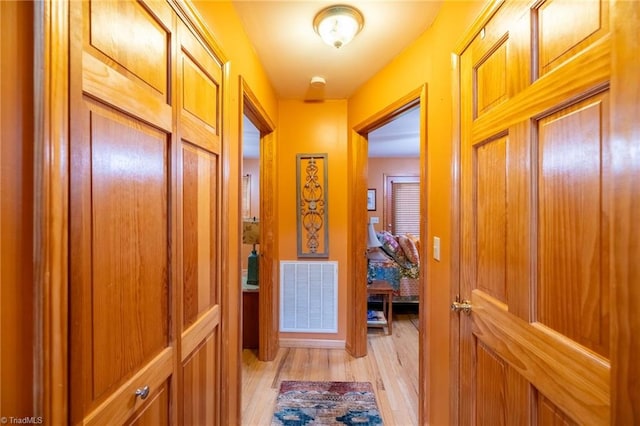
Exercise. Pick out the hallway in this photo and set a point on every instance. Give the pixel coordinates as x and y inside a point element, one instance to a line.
<point>391,366</point>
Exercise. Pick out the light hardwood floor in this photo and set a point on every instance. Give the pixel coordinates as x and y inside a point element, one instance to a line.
<point>391,366</point>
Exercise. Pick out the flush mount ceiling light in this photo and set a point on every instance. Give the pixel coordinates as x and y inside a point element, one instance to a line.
<point>338,25</point>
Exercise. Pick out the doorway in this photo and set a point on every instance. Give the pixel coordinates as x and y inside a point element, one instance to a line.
<point>393,165</point>
<point>250,238</point>
<point>260,145</point>
<point>357,294</point>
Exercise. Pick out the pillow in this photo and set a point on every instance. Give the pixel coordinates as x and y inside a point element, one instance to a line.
<point>409,248</point>
<point>416,241</point>
<point>391,246</point>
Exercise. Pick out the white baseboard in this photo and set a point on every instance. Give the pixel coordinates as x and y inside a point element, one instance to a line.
<point>312,343</point>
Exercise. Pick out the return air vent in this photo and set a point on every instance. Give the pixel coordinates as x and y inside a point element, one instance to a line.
<point>309,297</point>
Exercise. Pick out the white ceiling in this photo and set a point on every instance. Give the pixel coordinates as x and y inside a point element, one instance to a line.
<point>291,53</point>
<point>398,138</point>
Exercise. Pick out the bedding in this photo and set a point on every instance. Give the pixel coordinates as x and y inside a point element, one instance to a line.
<point>398,263</point>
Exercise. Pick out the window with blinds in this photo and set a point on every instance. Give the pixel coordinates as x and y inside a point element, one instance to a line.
<point>402,204</point>
<point>405,202</point>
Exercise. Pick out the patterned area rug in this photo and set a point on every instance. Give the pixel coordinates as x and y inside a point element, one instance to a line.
<point>326,403</point>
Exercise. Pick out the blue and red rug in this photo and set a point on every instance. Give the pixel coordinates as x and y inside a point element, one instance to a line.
<point>326,403</point>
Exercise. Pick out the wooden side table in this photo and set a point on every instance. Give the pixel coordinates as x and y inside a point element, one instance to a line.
<point>384,289</point>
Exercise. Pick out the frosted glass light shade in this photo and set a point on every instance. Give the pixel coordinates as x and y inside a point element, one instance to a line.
<point>338,25</point>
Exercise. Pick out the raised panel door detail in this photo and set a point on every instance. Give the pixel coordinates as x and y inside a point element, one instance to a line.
<point>200,383</point>
<point>200,92</point>
<point>503,396</point>
<point>565,30</point>
<point>490,388</point>
<point>129,232</point>
<point>497,60</point>
<point>134,38</point>
<point>491,78</point>
<point>491,213</point>
<point>200,95</point>
<point>573,283</point>
<point>199,207</point>
<point>548,414</point>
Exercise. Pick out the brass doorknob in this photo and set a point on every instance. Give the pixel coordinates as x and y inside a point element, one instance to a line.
<point>464,306</point>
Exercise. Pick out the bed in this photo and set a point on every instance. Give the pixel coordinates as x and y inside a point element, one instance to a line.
<point>397,262</point>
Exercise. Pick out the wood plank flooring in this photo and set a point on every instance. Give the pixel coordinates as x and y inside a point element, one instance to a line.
<point>391,366</point>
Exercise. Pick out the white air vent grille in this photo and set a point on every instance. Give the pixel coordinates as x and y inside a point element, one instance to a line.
<point>309,297</point>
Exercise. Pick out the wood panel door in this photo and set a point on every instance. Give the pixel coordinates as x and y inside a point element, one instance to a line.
<point>199,99</point>
<point>535,203</point>
<point>144,217</point>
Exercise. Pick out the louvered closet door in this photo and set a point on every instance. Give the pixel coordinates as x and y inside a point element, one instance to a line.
<point>535,203</point>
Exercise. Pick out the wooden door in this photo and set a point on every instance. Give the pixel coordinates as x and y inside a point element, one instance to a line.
<point>144,218</point>
<point>199,99</point>
<point>535,204</point>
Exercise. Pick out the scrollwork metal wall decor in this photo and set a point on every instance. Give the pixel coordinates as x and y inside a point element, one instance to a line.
<point>312,209</point>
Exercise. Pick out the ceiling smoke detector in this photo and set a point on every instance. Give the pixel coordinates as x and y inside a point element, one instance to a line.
<point>318,81</point>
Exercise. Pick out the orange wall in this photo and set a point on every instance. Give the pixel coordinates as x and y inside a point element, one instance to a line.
<point>306,128</point>
<point>428,60</point>
<point>17,316</point>
<point>379,168</point>
<point>223,22</point>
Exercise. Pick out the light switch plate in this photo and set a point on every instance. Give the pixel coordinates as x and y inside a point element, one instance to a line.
<point>374,219</point>
<point>436,248</point>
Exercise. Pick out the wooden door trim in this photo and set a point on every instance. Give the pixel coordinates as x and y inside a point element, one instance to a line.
<point>454,331</point>
<point>51,210</point>
<point>625,132</point>
<point>268,326</point>
<point>356,342</point>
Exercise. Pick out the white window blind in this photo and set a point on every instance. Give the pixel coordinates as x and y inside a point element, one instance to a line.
<point>405,202</point>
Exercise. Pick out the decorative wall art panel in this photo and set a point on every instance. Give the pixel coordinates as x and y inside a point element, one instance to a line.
<point>312,210</point>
